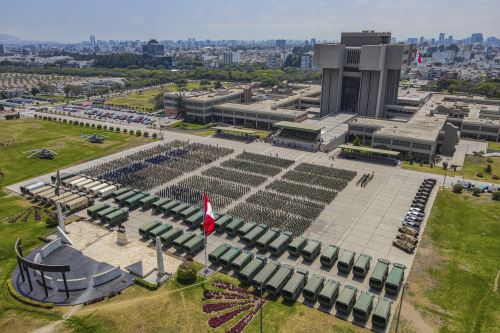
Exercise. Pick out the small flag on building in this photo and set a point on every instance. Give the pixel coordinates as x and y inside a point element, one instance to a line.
<point>58,183</point>
<point>418,57</point>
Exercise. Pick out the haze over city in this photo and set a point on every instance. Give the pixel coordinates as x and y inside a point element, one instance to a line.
<point>68,21</point>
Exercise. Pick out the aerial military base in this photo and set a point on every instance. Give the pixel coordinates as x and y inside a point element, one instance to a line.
<point>337,236</point>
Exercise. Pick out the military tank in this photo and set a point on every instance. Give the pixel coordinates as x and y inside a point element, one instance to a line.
<point>407,238</point>
<point>404,245</point>
<point>409,231</point>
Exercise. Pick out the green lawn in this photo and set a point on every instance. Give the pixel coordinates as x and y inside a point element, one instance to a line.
<point>19,136</point>
<point>494,145</point>
<point>57,98</point>
<point>472,165</point>
<point>189,126</point>
<point>457,291</point>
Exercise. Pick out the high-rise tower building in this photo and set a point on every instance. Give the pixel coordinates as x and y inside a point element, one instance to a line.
<point>92,41</point>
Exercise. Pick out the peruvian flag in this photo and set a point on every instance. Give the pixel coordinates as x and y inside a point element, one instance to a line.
<point>418,57</point>
<point>209,223</point>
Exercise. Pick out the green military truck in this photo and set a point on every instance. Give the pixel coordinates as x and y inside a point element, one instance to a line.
<point>251,237</point>
<point>330,256</point>
<point>279,245</point>
<point>263,242</point>
<point>395,279</point>
<point>168,237</point>
<point>313,287</point>
<point>346,299</point>
<point>232,227</point>
<point>346,261</point>
<point>379,274</point>
<point>361,266</point>
<point>296,246</point>
<point>215,255</point>
<point>311,250</point>
<point>228,257</point>
<point>247,273</point>
<point>241,261</point>
<point>329,293</point>
<point>279,279</point>
<point>146,228</point>
<point>92,211</point>
<point>363,306</point>
<point>294,286</point>
<point>382,313</point>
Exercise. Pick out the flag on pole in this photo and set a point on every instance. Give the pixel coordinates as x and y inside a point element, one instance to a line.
<point>418,57</point>
<point>209,222</point>
<point>58,183</point>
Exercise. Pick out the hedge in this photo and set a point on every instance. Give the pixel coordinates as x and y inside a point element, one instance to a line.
<point>145,284</point>
<point>25,300</point>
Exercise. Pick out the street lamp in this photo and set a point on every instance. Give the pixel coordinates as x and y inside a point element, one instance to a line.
<point>261,307</point>
<point>405,285</point>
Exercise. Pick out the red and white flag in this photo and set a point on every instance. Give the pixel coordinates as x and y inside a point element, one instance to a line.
<point>209,222</point>
<point>418,57</point>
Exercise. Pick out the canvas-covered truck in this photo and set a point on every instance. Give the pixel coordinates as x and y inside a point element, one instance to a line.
<point>263,242</point>
<point>159,230</point>
<point>294,286</point>
<point>279,279</point>
<point>311,250</point>
<point>329,293</point>
<point>147,227</point>
<point>148,201</point>
<point>363,306</point>
<point>100,214</point>
<point>194,245</point>
<point>135,201</point>
<point>248,272</point>
<point>222,222</point>
<point>228,257</point>
<point>195,220</point>
<point>345,262</point>
<point>313,287</point>
<point>121,198</point>
<point>179,241</point>
<point>216,254</point>
<point>156,206</point>
<point>329,256</point>
<point>190,210</point>
<point>241,260</point>
<point>279,245</point>
<point>266,273</point>
<point>91,211</point>
<point>167,208</point>
<point>346,299</point>
<point>296,246</point>
<point>232,227</point>
<point>106,192</point>
<point>176,211</point>
<point>361,265</point>
<point>77,204</point>
<point>251,237</point>
<point>168,238</point>
<point>395,279</point>
<point>379,274</point>
<point>116,217</point>
<point>382,313</point>
<point>121,191</point>
<point>245,228</point>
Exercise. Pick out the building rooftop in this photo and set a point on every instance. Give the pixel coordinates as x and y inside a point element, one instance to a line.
<point>298,126</point>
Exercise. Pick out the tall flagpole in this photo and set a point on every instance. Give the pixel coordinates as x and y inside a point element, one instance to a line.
<point>205,235</point>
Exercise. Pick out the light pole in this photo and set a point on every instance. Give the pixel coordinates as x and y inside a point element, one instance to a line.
<point>261,307</point>
<point>405,285</point>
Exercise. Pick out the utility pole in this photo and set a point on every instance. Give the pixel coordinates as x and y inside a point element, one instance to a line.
<point>261,307</point>
<point>405,285</point>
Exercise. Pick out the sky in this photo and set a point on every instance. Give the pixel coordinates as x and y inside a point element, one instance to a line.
<point>74,21</point>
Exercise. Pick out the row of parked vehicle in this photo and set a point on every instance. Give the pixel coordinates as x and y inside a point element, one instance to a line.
<point>281,279</point>
<point>408,238</point>
<point>107,213</point>
<point>129,118</point>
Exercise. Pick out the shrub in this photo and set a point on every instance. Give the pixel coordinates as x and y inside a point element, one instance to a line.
<point>125,130</point>
<point>65,120</point>
<point>155,135</point>
<point>187,272</point>
<point>82,123</point>
<point>131,132</point>
<point>92,125</point>
<point>488,168</point>
<point>146,134</point>
<point>44,118</point>
<point>496,195</point>
<point>476,191</point>
<point>480,174</point>
<point>489,160</point>
<point>99,126</point>
<point>117,129</point>
<point>138,133</point>
<point>87,124</point>
<point>495,177</point>
<point>105,127</point>
<point>111,128</point>
<point>457,188</point>
<point>145,284</point>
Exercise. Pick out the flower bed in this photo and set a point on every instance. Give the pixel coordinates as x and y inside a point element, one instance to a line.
<point>219,320</point>
<point>213,307</point>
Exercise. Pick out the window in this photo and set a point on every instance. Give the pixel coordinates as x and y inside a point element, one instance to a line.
<point>401,143</point>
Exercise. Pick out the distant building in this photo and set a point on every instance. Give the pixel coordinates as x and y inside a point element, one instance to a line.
<point>409,54</point>
<point>92,41</point>
<point>476,38</point>
<point>153,49</point>
<point>274,61</point>
<point>421,40</point>
<point>2,50</point>
<point>441,38</point>
<point>360,75</point>
<point>280,43</point>
<point>313,42</point>
<point>444,57</point>
<point>306,61</point>
<point>227,57</point>
<point>412,40</point>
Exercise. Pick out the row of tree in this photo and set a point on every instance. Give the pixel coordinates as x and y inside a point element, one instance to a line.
<point>488,88</point>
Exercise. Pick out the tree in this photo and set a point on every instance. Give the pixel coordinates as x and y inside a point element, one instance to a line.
<point>35,91</point>
<point>496,195</point>
<point>357,141</point>
<point>410,157</point>
<point>458,188</point>
<point>445,165</point>
<point>218,85</point>
<point>488,168</point>
<point>476,192</point>
<point>186,273</point>
<point>181,106</point>
<point>159,101</point>
<point>67,90</point>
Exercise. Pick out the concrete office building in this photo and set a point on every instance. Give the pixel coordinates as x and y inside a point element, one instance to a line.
<point>153,48</point>
<point>360,75</point>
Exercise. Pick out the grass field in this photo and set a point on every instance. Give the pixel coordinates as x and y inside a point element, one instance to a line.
<point>177,308</point>
<point>494,145</point>
<point>453,278</point>
<point>19,136</point>
<point>472,165</point>
<point>145,100</point>
<point>57,98</point>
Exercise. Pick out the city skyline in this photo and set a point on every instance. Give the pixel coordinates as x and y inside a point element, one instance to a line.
<point>245,21</point>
